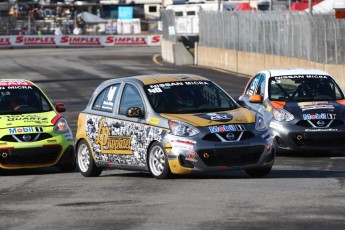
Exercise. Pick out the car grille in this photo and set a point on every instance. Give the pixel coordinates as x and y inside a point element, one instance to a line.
<point>315,139</point>
<point>26,137</point>
<point>231,157</point>
<point>222,137</point>
<point>313,123</point>
<point>30,156</point>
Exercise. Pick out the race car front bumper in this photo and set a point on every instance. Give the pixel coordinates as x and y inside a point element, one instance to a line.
<point>290,137</point>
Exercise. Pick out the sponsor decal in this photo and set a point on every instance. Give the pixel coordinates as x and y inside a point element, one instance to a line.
<point>301,77</point>
<point>226,128</point>
<point>221,117</point>
<point>276,125</point>
<point>51,141</point>
<point>154,120</point>
<point>126,40</point>
<point>172,156</point>
<point>120,142</point>
<point>132,40</point>
<point>318,116</point>
<point>68,136</point>
<point>155,39</point>
<point>191,156</point>
<point>17,87</point>
<point>321,130</point>
<point>107,105</point>
<point>24,130</point>
<point>266,135</point>
<point>315,105</point>
<point>27,118</point>
<point>35,40</point>
<point>157,88</point>
<point>108,102</point>
<point>5,41</point>
<point>232,144</point>
<point>108,143</point>
<point>268,108</point>
<point>14,83</point>
<point>80,40</point>
<point>3,143</point>
<point>183,144</point>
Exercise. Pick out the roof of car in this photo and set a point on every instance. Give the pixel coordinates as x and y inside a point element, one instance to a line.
<point>280,72</point>
<point>15,82</point>
<point>159,78</point>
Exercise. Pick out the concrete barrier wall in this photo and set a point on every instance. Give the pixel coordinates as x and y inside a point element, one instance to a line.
<point>167,51</point>
<point>176,53</point>
<point>250,63</point>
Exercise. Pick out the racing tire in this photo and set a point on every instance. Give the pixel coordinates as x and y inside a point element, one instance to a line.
<point>158,162</point>
<point>258,172</point>
<point>85,160</point>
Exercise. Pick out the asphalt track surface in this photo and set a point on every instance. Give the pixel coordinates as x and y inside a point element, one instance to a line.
<point>304,191</point>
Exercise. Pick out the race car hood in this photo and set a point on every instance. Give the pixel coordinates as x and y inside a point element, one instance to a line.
<point>237,116</point>
<point>27,120</point>
<point>316,109</point>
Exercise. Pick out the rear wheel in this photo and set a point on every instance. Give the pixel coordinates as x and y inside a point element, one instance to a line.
<point>258,172</point>
<point>86,163</point>
<point>158,162</point>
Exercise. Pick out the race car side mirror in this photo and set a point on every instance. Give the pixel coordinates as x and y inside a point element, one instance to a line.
<point>256,98</point>
<point>60,107</point>
<point>134,112</point>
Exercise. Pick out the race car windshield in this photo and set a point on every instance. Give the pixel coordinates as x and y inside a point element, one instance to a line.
<point>20,100</point>
<point>188,97</point>
<point>304,88</point>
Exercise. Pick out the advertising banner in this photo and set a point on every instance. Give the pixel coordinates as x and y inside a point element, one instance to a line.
<point>79,40</point>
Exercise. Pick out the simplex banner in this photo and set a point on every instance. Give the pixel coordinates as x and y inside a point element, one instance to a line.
<point>79,40</point>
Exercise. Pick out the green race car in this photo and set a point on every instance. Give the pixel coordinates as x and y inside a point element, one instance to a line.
<point>32,132</point>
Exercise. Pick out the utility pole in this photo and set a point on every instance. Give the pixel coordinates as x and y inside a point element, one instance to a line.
<point>219,5</point>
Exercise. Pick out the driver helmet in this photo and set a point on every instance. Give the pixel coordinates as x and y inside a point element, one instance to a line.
<point>18,99</point>
<point>185,97</point>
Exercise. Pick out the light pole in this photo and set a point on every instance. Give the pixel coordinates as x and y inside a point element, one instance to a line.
<point>310,6</point>
<point>219,4</point>
<point>8,17</point>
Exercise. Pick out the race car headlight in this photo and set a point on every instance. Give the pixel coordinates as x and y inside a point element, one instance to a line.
<point>282,115</point>
<point>61,126</point>
<point>260,123</point>
<point>179,128</point>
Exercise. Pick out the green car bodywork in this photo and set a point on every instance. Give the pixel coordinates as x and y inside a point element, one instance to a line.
<point>33,133</point>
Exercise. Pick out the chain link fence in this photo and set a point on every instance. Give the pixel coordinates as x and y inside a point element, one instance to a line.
<point>316,38</point>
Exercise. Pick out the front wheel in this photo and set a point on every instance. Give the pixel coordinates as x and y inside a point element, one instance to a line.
<point>86,163</point>
<point>258,172</point>
<point>158,162</point>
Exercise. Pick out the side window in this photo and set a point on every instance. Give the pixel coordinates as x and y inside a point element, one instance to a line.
<point>261,88</point>
<point>130,98</point>
<point>253,86</point>
<point>105,101</point>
